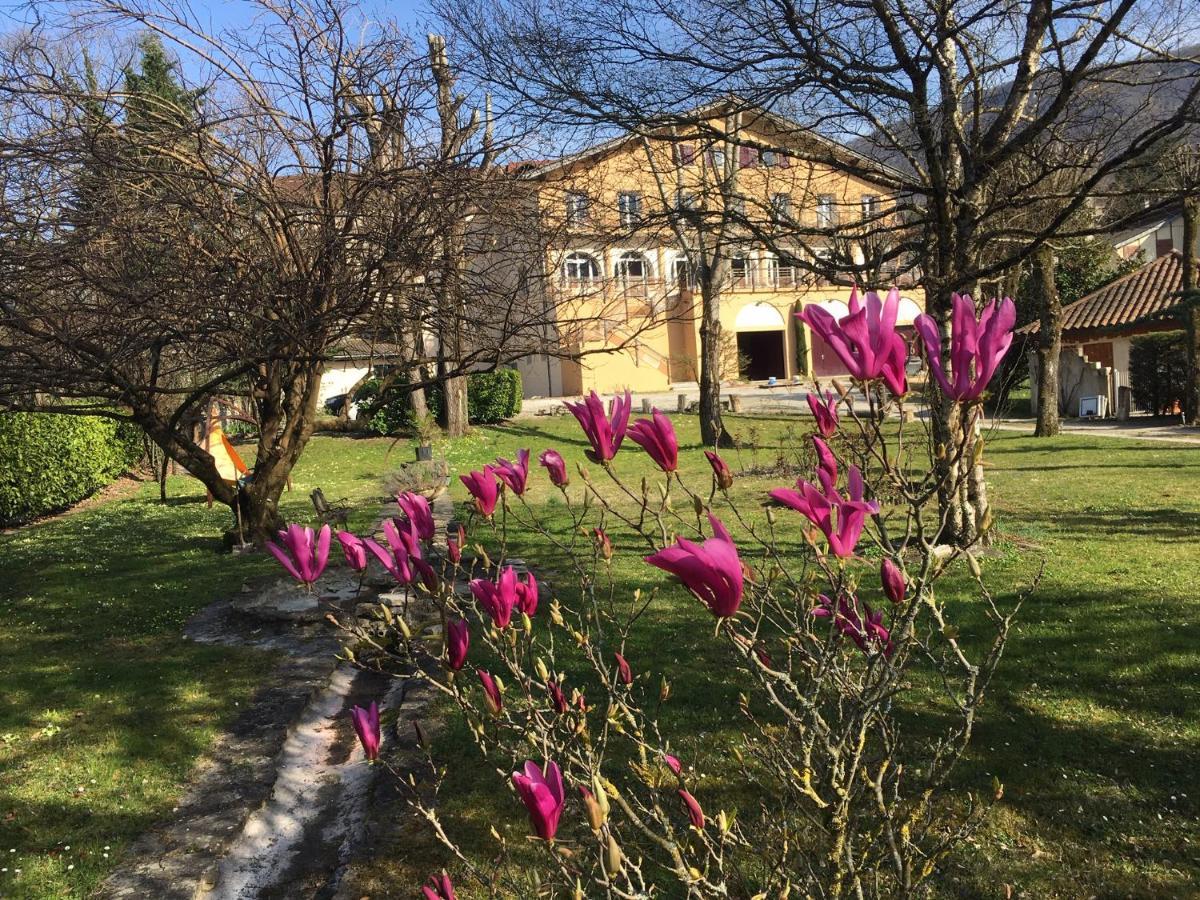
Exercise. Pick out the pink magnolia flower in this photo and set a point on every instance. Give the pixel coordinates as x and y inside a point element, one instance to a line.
<point>458,639</point>
<point>604,432</point>
<point>366,726</point>
<point>840,518</point>
<point>556,466</point>
<point>498,598</point>
<point>695,813</point>
<point>976,347</point>
<point>557,696</point>
<point>603,542</point>
<point>403,538</point>
<point>514,475</point>
<point>656,436</point>
<point>417,513</point>
<point>892,578</point>
<point>398,564</point>
<point>527,595</point>
<point>825,412</point>
<point>354,550</point>
<point>624,672</point>
<point>865,340</point>
<point>827,467</point>
<point>673,763</point>
<point>867,631</point>
<point>483,487</point>
<point>542,795</point>
<point>439,888</point>
<point>712,571</point>
<point>491,692</point>
<point>455,544</point>
<point>305,556</point>
<point>721,470</point>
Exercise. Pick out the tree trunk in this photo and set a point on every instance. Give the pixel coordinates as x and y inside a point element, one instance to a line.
<point>1049,341</point>
<point>712,431</point>
<point>1191,315</point>
<point>455,414</point>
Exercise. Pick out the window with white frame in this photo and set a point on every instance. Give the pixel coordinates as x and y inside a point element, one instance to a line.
<point>781,207</point>
<point>577,208</point>
<point>681,272</point>
<point>741,270</point>
<point>632,266</point>
<point>870,205</point>
<point>580,267</point>
<point>781,271</point>
<point>629,208</point>
<point>826,211</point>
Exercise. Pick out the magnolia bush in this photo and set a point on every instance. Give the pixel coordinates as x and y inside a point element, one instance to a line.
<point>823,643</point>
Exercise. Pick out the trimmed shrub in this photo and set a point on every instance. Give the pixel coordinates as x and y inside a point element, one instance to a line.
<point>491,397</point>
<point>49,461</point>
<point>1158,371</point>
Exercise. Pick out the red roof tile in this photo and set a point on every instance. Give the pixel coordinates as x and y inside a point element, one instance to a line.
<point>1146,293</point>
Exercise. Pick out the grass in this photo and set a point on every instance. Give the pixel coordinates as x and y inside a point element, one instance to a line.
<point>1093,723</point>
<point>103,706</point>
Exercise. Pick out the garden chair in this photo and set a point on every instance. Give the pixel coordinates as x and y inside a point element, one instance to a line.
<point>329,515</point>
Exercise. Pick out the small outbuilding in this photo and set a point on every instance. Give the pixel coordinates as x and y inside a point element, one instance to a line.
<point>1100,329</point>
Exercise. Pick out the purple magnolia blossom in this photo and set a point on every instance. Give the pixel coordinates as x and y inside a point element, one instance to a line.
<point>603,431</point>
<point>656,436</point>
<point>366,726</point>
<point>556,466</point>
<point>976,346</point>
<point>514,475</point>
<point>305,555</point>
<point>695,813</point>
<point>458,639</point>
<point>417,513</point>
<point>557,696</point>
<point>353,549</point>
<point>542,794</point>
<point>894,587</point>
<point>624,672</point>
<point>402,538</point>
<point>483,487</point>
<point>397,563</point>
<point>721,470</point>
<point>865,340</point>
<point>673,763</point>
<point>825,412</point>
<point>827,467</point>
<point>865,628</point>
<point>840,518</point>
<point>498,598</point>
<point>439,888</point>
<point>712,571</point>
<point>454,545</point>
<point>527,595</point>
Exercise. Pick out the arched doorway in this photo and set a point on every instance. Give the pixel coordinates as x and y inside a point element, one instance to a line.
<point>761,342</point>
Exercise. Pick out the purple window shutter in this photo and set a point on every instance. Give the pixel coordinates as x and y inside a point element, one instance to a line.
<point>746,157</point>
<point>687,154</point>
<point>784,161</point>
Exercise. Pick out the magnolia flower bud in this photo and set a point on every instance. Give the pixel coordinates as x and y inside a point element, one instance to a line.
<point>526,623</point>
<point>612,857</point>
<point>592,809</point>
<point>540,668</point>
<point>601,796</point>
<point>664,690</point>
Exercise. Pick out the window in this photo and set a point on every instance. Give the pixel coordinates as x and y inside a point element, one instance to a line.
<point>580,267</point>
<point>685,200</point>
<point>681,275</point>
<point>577,209</point>
<point>717,158</point>
<point>632,266</point>
<point>870,206</point>
<point>747,157</point>
<point>685,154</point>
<point>781,207</point>
<point>629,208</point>
<point>826,213</point>
<point>781,272</point>
<point>739,268</point>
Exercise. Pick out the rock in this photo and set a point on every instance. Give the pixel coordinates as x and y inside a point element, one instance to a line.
<point>286,601</point>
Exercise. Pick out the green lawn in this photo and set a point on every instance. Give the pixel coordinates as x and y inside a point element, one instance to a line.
<point>1093,725</point>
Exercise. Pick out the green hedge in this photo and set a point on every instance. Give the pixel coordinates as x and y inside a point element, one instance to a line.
<point>491,397</point>
<point>48,461</point>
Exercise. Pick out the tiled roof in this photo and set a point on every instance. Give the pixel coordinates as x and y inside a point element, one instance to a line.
<point>1144,294</point>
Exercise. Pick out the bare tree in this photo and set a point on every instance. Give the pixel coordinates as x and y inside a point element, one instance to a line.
<point>299,204</point>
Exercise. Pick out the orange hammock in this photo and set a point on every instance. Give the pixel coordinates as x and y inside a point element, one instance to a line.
<point>229,464</point>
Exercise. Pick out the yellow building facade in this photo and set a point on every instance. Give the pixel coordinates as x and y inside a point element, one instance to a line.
<point>633,219</point>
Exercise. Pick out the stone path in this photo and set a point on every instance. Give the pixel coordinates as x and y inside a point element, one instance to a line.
<point>283,804</point>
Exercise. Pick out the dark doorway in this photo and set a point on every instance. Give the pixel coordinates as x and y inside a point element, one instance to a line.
<point>760,355</point>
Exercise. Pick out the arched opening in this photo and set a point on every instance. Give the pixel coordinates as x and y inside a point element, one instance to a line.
<point>761,342</point>
<point>580,267</point>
